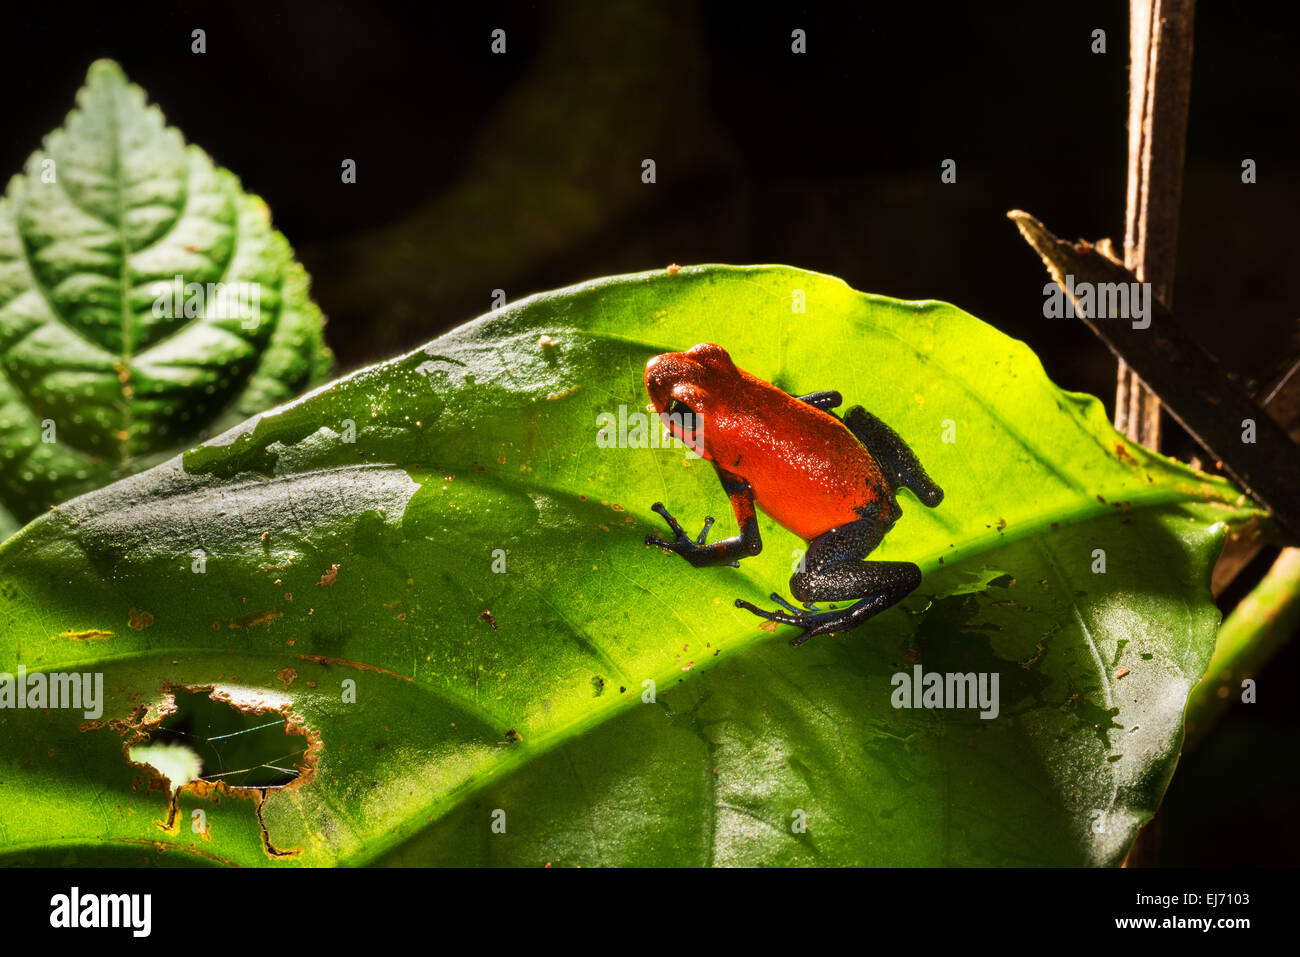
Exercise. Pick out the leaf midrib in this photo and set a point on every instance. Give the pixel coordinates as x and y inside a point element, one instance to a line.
<point>1150,497</point>
<point>542,743</point>
<point>123,279</point>
<point>126,358</point>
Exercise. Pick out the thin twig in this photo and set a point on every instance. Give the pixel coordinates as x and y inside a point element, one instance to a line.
<point>1160,69</point>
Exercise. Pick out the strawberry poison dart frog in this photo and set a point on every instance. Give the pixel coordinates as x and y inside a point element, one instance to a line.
<point>831,481</point>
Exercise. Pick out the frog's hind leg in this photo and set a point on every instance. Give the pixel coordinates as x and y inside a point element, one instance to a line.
<point>895,456</point>
<point>834,571</point>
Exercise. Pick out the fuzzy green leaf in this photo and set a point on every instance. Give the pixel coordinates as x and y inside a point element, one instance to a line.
<point>99,377</point>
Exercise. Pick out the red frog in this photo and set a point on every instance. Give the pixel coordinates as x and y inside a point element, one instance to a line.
<point>831,481</point>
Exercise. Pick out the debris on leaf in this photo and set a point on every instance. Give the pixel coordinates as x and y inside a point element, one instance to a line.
<point>139,620</point>
<point>89,634</point>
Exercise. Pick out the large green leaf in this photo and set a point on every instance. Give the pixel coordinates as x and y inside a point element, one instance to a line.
<point>95,382</point>
<point>521,690</point>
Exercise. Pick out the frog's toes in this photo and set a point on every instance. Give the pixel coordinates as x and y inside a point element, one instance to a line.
<point>785,604</point>
<point>780,617</point>
<point>682,544</point>
<point>810,619</point>
<point>673,524</point>
<point>704,533</point>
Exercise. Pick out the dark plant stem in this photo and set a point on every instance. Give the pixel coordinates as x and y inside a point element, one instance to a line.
<point>1160,69</point>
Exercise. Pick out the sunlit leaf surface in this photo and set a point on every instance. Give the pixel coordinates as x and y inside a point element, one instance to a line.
<point>437,572</point>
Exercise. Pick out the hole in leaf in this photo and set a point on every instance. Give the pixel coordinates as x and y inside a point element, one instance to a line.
<point>205,740</point>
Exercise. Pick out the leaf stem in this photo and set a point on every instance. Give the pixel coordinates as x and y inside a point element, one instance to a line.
<point>1257,628</point>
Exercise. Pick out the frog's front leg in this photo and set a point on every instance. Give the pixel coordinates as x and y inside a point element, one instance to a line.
<point>834,571</point>
<point>728,550</point>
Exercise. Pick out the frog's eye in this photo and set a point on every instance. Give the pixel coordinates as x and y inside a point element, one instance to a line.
<point>678,407</point>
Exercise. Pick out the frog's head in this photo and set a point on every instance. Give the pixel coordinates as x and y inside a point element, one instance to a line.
<point>686,386</point>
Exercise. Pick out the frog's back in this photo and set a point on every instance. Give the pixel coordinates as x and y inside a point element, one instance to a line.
<point>807,470</point>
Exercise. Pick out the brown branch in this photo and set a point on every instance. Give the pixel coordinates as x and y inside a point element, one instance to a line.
<point>1160,68</point>
<point>1192,385</point>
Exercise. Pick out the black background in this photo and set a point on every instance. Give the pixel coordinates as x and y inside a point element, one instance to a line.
<point>522,172</point>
